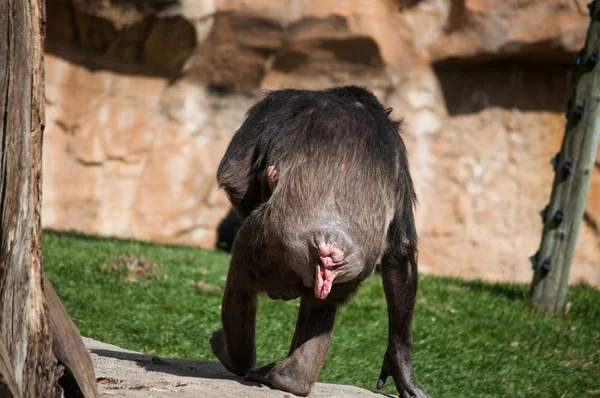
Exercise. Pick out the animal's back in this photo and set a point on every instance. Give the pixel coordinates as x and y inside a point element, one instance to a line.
<point>335,168</point>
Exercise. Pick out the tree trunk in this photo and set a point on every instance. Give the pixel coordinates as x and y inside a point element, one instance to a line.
<point>24,324</point>
<point>41,351</point>
<point>573,166</point>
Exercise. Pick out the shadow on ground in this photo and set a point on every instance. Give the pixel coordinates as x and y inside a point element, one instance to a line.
<point>178,367</point>
<point>509,291</point>
<point>135,374</point>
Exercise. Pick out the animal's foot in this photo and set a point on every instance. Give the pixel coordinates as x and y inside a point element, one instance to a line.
<point>415,393</point>
<point>272,177</point>
<point>217,344</point>
<point>282,378</point>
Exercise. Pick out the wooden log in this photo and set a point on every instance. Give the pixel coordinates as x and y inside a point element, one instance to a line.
<point>574,166</point>
<point>8,384</point>
<point>78,378</point>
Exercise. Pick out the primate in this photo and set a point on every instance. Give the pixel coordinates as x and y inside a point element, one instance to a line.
<point>322,182</point>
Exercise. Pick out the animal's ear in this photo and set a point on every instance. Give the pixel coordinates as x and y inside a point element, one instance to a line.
<point>388,111</point>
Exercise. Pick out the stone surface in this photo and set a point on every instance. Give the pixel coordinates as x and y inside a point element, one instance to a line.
<point>124,373</point>
<point>144,96</point>
<point>548,29</point>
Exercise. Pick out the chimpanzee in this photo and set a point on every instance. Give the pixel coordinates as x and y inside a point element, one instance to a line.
<point>321,180</point>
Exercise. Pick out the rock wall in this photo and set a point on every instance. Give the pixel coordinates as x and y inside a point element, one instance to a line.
<point>143,97</point>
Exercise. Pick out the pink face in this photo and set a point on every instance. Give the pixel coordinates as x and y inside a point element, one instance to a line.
<point>329,257</point>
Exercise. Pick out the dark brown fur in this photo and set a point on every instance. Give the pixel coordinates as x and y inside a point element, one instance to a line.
<point>343,176</point>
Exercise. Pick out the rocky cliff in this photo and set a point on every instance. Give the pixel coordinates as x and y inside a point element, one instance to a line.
<point>143,97</point>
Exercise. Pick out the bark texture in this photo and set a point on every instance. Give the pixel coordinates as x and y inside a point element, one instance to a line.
<point>24,323</point>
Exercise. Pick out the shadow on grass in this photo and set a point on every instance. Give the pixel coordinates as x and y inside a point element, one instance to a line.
<point>95,238</point>
<point>508,290</point>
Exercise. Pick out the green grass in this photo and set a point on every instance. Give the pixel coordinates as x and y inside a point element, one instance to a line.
<point>471,339</point>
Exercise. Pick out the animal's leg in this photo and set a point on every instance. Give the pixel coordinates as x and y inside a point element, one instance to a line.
<point>298,372</point>
<point>399,272</point>
<point>234,344</point>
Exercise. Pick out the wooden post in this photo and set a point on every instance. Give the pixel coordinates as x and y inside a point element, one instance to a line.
<point>573,167</point>
<point>41,351</point>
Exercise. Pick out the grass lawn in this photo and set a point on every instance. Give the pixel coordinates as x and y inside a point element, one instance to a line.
<point>471,339</point>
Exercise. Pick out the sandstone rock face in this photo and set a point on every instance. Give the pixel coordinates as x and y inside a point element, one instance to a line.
<point>144,96</point>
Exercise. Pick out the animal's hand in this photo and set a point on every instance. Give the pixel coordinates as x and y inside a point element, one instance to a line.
<point>405,383</point>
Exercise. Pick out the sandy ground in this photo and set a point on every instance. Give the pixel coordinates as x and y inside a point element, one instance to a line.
<point>124,373</point>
